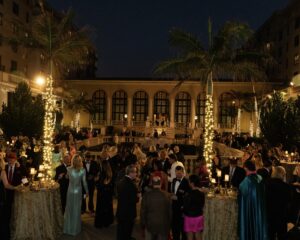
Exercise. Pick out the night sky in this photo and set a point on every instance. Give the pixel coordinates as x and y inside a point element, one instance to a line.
<point>131,36</point>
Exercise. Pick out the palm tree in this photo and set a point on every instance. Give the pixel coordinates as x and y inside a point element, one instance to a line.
<point>62,46</point>
<point>225,57</point>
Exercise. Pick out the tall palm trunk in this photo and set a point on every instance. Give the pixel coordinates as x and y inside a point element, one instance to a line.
<point>256,111</point>
<point>209,123</point>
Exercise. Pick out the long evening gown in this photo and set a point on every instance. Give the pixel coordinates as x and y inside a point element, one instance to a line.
<point>104,210</point>
<point>72,220</point>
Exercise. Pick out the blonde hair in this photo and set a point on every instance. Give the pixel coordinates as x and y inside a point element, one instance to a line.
<point>77,162</point>
<point>152,148</point>
<point>279,172</point>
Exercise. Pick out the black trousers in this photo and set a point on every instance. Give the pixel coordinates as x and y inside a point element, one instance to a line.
<point>124,229</point>
<point>177,225</point>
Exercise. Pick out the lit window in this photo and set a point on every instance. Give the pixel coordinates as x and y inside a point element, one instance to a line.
<point>119,105</point>
<point>99,102</point>
<point>227,110</point>
<point>161,103</point>
<point>182,108</point>
<point>140,106</point>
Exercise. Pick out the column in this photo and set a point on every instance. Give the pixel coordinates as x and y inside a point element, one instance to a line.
<point>172,112</point>
<point>193,112</point>
<point>150,107</point>
<point>108,110</point>
<point>129,111</point>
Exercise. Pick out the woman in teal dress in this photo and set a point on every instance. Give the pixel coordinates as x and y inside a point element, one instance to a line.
<point>77,178</point>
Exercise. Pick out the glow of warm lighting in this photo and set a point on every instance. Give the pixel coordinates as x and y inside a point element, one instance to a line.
<point>208,152</point>
<point>233,102</point>
<point>125,116</point>
<point>291,84</point>
<point>269,96</point>
<point>40,80</point>
<point>196,117</point>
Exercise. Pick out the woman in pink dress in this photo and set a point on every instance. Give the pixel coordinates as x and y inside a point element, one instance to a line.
<point>193,204</point>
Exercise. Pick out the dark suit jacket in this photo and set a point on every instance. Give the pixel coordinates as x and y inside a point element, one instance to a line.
<point>92,173</point>
<point>127,199</point>
<point>238,176</point>
<point>182,190</point>
<point>19,173</point>
<point>264,173</point>
<point>63,182</point>
<point>278,196</point>
<point>156,211</point>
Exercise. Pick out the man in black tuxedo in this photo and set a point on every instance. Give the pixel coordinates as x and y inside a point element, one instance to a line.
<point>92,169</point>
<point>127,199</point>
<point>278,196</point>
<point>60,177</point>
<point>236,173</point>
<point>14,172</point>
<point>180,186</point>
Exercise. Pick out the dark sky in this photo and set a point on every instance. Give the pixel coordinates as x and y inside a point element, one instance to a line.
<point>131,36</point>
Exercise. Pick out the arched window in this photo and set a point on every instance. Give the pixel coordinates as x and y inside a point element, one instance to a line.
<point>161,103</point>
<point>99,102</point>
<point>182,108</point>
<point>200,109</point>
<point>119,105</point>
<point>140,106</point>
<point>227,110</point>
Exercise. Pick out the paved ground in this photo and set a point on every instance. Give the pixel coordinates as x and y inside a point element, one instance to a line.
<point>89,232</point>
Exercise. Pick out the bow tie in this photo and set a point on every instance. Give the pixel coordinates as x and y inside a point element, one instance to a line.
<point>177,180</point>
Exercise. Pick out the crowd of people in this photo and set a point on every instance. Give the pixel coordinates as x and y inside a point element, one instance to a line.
<point>155,177</point>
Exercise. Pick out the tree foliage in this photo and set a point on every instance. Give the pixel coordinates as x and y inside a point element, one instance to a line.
<point>226,56</point>
<point>280,120</point>
<point>62,45</point>
<point>23,113</point>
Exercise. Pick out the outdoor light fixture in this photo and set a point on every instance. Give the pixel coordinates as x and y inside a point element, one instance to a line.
<point>125,116</point>
<point>196,117</point>
<point>291,84</point>
<point>40,80</point>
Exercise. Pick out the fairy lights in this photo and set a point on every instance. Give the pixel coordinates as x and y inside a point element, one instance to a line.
<point>48,126</point>
<point>208,133</point>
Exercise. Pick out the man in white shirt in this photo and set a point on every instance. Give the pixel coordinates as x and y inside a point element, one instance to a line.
<point>174,163</point>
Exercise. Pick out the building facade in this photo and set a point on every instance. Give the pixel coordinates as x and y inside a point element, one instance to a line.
<point>149,103</point>
<point>280,35</point>
<point>14,58</point>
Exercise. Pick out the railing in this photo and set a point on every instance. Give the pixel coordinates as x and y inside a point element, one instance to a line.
<point>99,122</point>
<point>138,123</point>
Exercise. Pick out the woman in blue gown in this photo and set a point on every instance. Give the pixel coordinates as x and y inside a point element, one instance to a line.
<point>77,178</point>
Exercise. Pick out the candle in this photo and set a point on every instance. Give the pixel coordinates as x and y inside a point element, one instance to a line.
<point>32,171</point>
<point>213,180</point>
<point>219,173</point>
<point>40,175</point>
<point>226,178</point>
<point>292,154</point>
<point>286,152</point>
<point>42,167</point>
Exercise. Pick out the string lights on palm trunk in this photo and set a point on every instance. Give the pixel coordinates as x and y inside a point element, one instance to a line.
<point>208,152</point>
<point>49,123</point>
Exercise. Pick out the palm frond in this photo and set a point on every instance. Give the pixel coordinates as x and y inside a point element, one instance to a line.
<point>184,41</point>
